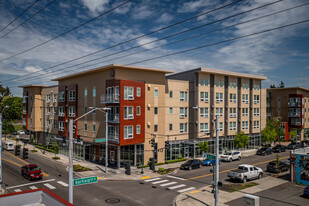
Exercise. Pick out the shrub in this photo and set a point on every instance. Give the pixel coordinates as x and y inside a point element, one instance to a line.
<point>79,168</point>
<point>34,150</point>
<point>159,163</point>
<point>56,158</point>
<point>173,161</point>
<point>162,170</point>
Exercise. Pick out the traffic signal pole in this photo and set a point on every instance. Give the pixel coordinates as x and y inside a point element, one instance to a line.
<point>0,152</point>
<point>71,161</point>
<point>217,162</point>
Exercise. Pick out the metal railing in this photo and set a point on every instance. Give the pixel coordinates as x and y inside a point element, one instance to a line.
<point>113,98</point>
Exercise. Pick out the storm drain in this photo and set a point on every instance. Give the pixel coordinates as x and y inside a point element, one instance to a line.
<point>112,201</point>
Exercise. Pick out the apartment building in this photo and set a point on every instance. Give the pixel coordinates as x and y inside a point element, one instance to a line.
<point>291,106</point>
<point>236,97</point>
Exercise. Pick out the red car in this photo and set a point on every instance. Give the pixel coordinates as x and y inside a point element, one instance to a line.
<point>31,172</point>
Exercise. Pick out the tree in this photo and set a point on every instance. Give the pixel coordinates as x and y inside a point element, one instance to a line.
<point>281,85</point>
<point>272,86</point>
<point>203,146</point>
<point>14,111</point>
<point>293,134</point>
<point>269,134</point>
<point>4,92</point>
<point>241,140</point>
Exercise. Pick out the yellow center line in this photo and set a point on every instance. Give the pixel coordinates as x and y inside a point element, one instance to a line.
<point>14,163</point>
<point>192,178</point>
<point>46,175</point>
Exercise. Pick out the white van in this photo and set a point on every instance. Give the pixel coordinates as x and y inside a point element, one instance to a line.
<point>8,146</point>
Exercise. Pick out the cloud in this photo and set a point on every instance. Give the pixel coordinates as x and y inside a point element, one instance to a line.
<point>193,6</point>
<point>142,12</point>
<point>95,6</point>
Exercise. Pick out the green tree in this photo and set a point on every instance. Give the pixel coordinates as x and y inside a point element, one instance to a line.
<point>7,128</point>
<point>269,134</point>
<point>203,146</point>
<point>241,140</point>
<point>14,111</point>
<point>293,134</point>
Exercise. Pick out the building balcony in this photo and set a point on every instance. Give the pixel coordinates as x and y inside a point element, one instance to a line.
<point>113,138</point>
<point>113,119</point>
<point>294,114</point>
<point>268,114</point>
<point>295,124</point>
<point>294,104</point>
<point>109,98</point>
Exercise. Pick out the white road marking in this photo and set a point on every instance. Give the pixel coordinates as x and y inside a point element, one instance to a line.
<point>166,184</point>
<point>161,181</point>
<point>150,180</point>
<point>178,178</point>
<point>33,187</point>
<point>187,189</point>
<point>62,183</point>
<point>18,190</point>
<point>177,186</point>
<point>34,183</point>
<point>49,186</point>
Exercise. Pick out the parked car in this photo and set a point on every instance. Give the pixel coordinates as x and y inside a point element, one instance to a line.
<point>20,132</point>
<point>191,164</point>
<point>287,162</point>
<point>9,146</point>
<point>210,162</point>
<point>264,151</point>
<point>31,172</point>
<point>272,166</point>
<point>14,133</point>
<point>304,143</point>
<point>279,148</point>
<point>245,172</point>
<point>306,191</point>
<point>230,156</point>
<point>294,145</point>
<point>27,132</point>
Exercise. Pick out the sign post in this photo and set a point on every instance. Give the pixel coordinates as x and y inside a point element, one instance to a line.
<point>86,180</point>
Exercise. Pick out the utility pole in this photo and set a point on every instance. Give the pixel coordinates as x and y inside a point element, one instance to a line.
<point>71,161</point>
<point>217,162</point>
<point>5,122</point>
<point>43,125</point>
<point>0,152</point>
<point>106,141</point>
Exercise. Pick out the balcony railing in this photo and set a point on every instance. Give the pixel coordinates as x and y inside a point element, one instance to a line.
<point>295,123</point>
<point>294,104</point>
<point>110,98</point>
<point>113,119</point>
<point>294,114</point>
<point>113,138</point>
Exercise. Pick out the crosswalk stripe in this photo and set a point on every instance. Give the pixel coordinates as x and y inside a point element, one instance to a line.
<point>62,183</point>
<point>177,186</point>
<point>161,181</point>
<point>18,190</point>
<point>166,184</point>
<point>178,178</point>
<point>187,189</point>
<point>150,180</point>
<point>33,187</point>
<point>49,186</point>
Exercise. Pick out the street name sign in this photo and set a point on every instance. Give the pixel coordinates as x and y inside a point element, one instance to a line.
<point>86,180</point>
<point>209,156</point>
<point>100,140</point>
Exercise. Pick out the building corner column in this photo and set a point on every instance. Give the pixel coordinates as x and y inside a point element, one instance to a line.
<point>135,160</point>
<point>118,157</point>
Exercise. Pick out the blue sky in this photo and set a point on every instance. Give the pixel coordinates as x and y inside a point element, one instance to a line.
<point>280,55</point>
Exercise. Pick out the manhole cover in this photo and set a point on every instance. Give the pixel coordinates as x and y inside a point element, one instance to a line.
<point>112,200</point>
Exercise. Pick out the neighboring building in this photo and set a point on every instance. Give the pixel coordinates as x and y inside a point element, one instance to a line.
<point>299,160</point>
<point>290,105</point>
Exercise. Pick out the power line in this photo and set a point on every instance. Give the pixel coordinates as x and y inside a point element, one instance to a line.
<point>130,40</point>
<point>29,18</point>
<point>66,32</point>
<point>19,15</point>
<point>187,38</point>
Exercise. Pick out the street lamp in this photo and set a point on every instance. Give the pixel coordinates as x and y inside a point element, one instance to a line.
<point>1,147</point>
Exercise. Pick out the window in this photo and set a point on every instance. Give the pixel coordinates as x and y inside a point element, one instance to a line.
<point>47,110</point>
<point>48,98</point>
<point>71,96</point>
<point>256,99</point>
<point>183,96</point>
<point>278,99</point>
<point>128,132</point>
<point>94,92</point>
<point>170,127</point>
<point>233,98</point>
<point>48,123</point>
<point>256,111</point>
<point>171,110</point>
<point>244,125</point>
<point>183,112</point>
<point>71,111</point>
<point>204,82</point>
<point>256,124</point>
<point>220,126</point>
<point>245,85</point>
<point>155,128</point>
<point>55,124</point>
<point>85,127</point>
<point>219,111</point>
<point>55,110</point>
<point>128,113</point>
<point>156,93</point>
<point>183,127</point>
<point>278,109</point>
<point>204,111</point>
<point>245,98</point>
<point>55,98</point>
<point>204,97</point>
<point>171,94</point>
<point>128,93</point>
<point>61,112</point>
<point>138,110</point>
<point>138,129</point>
<point>138,91</point>
<point>219,97</point>
<point>85,92</point>
<point>155,110</point>
<point>85,110</point>
<point>204,127</point>
<point>61,126</point>
<point>256,87</point>
<point>93,128</point>
<point>233,112</point>
<point>219,84</point>
<point>245,111</point>
<point>233,84</point>
<point>232,126</point>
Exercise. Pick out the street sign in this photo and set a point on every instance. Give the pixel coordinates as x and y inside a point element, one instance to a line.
<point>86,180</point>
<point>100,140</point>
<point>211,157</point>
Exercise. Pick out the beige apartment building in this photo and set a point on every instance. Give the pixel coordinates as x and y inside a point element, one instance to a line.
<point>145,104</point>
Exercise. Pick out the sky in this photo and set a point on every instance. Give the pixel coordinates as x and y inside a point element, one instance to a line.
<point>281,54</point>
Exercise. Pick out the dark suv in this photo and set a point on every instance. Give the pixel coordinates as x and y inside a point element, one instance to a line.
<point>191,164</point>
<point>279,148</point>
<point>264,151</point>
<point>294,145</point>
<point>272,167</point>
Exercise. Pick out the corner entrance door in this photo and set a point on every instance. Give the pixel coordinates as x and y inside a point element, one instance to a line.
<point>186,152</point>
<point>112,157</point>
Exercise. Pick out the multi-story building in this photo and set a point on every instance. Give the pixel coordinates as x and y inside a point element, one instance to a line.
<point>290,105</point>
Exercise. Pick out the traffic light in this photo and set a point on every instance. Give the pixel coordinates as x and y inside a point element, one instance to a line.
<point>152,164</point>
<point>25,153</point>
<point>152,141</point>
<point>167,145</point>
<point>127,168</point>
<point>17,150</point>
